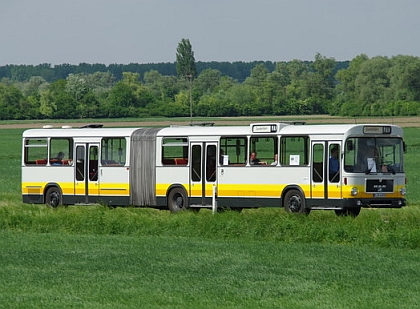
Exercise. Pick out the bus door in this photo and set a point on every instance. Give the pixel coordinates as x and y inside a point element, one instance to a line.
<point>86,173</point>
<point>325,173</point>
<point>203,172</point>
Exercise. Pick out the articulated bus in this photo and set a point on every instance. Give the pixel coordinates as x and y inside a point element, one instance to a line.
<point>299,167</point>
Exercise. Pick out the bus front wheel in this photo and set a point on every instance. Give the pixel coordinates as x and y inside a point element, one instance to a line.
<point>294,202</point>
<point>177,200</point>
<point>53,197</point>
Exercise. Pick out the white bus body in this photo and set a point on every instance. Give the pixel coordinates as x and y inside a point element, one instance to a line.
<point>180,167</point>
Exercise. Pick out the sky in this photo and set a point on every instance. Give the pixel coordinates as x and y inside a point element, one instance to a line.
<point>33,32</point>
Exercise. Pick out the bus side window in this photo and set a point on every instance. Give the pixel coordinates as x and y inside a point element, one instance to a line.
<point>36,151</point>
<point>174,151</point>
<point>61,151</point>
<point>294,150</point>
<point>113,151</point>
<point>266,148</point>
<point>235,149</point>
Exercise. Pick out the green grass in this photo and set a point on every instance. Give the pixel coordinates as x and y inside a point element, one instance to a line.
<point>86,271</point>
<point>98,257</point>
<point>392,228</point>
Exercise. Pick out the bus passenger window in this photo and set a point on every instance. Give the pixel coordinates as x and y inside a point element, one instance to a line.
<point>265,147</point>
<point>175,151</point>
<point>61,151</point>
<point>235,150</point>
<point>113,151</point>
<point>294,150</point>
<point>36,151</point>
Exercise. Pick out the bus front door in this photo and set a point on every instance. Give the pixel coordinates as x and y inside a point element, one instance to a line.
<point>203,173</point>
<point>325,175</point>
<point>86,179</point>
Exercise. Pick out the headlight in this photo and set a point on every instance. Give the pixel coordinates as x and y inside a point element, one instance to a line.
<point>403,191</point>
<point>354,191</point>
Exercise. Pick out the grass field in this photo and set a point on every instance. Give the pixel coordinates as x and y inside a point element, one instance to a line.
<point>90,271</point>
<point>97,257</point>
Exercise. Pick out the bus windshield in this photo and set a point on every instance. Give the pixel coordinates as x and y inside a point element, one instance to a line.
<point>373,155</point>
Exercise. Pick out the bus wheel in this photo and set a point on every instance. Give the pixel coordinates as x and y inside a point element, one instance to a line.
<point>177,200</point>
<point>294,202</point>
<point>354,212</point>
<point>53,197</point>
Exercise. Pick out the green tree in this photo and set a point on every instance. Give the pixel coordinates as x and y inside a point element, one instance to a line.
<point>185,67</point>
<point>346,93</point>
<point>185,61</point>
<point>65,102</point>
<point>10,99</point>
<point>207,81</point>
<point>163,88</point>
<point>404,76</point>
<point>371,85</point>
<point>34,85</point>
<point>47,106</point>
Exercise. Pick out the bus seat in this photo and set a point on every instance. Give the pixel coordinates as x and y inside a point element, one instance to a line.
<point>181,161</point>
<point>41,162</point>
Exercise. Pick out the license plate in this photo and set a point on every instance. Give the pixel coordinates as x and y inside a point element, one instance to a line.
<point>379,195</point>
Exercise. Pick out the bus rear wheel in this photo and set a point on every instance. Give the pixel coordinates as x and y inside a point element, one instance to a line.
<point>294,202</point>
<point>177,200</point>
<point>53,197</point>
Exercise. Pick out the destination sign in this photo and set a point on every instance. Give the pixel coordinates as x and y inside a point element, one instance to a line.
<point>264,128</point>
<point>377,130</point>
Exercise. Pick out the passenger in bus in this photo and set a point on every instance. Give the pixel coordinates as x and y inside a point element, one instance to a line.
<point>58,159</point>
<point>60,156</point>
<point>334,164</point>
<point>253,160</point>
<point>276,156</point>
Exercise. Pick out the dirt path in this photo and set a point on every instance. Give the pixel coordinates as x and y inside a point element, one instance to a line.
<point>401,121</point>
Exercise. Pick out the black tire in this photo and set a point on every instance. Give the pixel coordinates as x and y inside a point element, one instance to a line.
<point>53,197</point>
<point>294,202</point>
<point>354,212</point>
<point>177,200</point>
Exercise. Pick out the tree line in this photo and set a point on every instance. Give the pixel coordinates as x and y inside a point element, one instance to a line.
<point>377,86</point>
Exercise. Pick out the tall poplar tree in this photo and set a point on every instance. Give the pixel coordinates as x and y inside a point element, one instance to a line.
<point>185,66</point>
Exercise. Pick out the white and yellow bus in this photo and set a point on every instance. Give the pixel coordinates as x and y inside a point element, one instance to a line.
<point>181,167</point>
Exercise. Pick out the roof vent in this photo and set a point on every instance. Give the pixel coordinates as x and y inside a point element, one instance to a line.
<point>92,126</point>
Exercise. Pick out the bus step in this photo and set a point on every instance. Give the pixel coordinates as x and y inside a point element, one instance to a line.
<point>201,206</point>
<point>326,208</point>
<point>86,204</point>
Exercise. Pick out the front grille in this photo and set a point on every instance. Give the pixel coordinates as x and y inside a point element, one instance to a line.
<point>379,185</point>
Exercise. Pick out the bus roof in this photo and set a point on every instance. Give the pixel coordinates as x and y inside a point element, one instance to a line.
<point>276,128</point>
<point>284,129</point>
<point>79,132</point>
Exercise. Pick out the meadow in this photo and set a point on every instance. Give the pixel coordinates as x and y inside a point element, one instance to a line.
<point>99,257</point>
